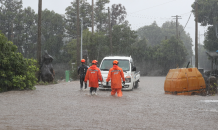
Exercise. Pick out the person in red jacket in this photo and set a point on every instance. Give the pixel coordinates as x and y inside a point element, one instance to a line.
<point>93,74</point>
<point>115,74</point>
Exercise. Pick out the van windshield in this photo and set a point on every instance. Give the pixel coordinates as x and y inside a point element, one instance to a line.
<point>108,63</point>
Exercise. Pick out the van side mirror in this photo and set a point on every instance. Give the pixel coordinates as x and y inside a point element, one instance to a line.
<point>133,68</point>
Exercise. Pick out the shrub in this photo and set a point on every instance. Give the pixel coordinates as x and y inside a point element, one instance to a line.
<point>16,72</point>
<point>74,72</point>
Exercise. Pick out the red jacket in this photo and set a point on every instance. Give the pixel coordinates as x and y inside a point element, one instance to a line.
<point>115,74</point>
<point>93,74</point>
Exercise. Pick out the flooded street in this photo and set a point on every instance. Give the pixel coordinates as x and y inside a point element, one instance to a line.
<point>64,106</point>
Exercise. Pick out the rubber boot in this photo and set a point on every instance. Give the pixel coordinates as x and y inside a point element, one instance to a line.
<point>81,87</point>
<point>85,85</point>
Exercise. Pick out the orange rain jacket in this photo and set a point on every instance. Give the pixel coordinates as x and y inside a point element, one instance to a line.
<point>93,74</point>
<point>115,74</point>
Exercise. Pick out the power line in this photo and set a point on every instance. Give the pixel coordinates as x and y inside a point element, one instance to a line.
<point>148,17</point>
<point>187,21</point>
<point>153,6</point>
<point>185,13</point>
<point>153,17</point>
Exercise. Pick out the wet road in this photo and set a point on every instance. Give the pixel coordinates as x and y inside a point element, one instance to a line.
<point>63,106</point>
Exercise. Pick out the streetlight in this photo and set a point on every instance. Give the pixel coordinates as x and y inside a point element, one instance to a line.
<point>81,35</point>
<point>81,38</point>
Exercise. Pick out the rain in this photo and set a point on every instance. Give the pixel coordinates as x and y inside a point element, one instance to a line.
<point>166,52</point>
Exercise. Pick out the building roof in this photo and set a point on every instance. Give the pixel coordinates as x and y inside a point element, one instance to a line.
<point>212,54</point>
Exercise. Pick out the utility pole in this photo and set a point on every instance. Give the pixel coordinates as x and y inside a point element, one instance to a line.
<point>196,34</point>
<point>81,38</point>
<point>177,37</point>
<point>109,23</point>
<point>177,34</point>
<point>39,36</point>
<point>92,16</point>
<point>77,44</point>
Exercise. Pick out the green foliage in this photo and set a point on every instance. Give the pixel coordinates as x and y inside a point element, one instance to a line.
<point>204,61</point>
<point>96,44</point>
<point>16,72</point>
<point>212,90</point>
<point>210,42</point>
<point>207,11</point>
<point>140,51</point>
<point>73,73</point>
<point>154,35</point>
<point>25,32</point>
<point>101,16</point>
<point>59,33</point>
<point>169,29</point>
<point>172,52</point>
<point>118,14</point>
<point>71,19</point>
<point>169,54</point>
<point>9,10</point>
<point>122,39</point>
<point>207,15</point>
<point>53,33</point>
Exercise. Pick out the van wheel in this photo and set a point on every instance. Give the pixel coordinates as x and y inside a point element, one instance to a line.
<point>133,87</point>
<point>136,84</point>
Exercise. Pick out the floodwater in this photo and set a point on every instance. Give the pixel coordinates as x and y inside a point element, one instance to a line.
<point>64,106</point>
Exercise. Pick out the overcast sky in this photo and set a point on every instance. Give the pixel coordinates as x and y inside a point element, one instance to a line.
<point>139,12</point>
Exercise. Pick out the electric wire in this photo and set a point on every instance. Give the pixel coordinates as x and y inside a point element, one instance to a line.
<point>187,21</point>
<point>153,6</point>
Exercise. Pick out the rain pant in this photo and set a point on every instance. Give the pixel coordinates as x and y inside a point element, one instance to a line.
<point>115,74</point>
<point>116,90</point>
<point>93,75</point>
<point>82,69</point>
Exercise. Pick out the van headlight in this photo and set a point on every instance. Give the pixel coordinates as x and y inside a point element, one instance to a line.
<point>127,79</point>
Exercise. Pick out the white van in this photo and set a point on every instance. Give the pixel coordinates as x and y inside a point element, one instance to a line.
<point>129,70</point>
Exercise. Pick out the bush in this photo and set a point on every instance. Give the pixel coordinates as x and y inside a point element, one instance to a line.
<point>73,73</point>
<point>16,72</point>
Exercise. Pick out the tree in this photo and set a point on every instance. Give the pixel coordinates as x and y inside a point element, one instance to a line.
<point>52,33</point>
<point>118,14</point>
<point>155,35</point>
<point>207,11</point>
<point>9,10</point>
<point>16,72</point>
<point>152,33</point>
<point>172,54</point>
<point>211,41</point>
<point>169,29</point>
<point>19,26</point>
<point>204,61</point>
<point>208,15</point>
<point>101,15</point>
<point>70,19</point>
<point>140,51</point>
<point>96,44</point>
<point>25,32</point>
<point>123,38</point>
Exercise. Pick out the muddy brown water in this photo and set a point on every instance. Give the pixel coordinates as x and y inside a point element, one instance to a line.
<point>63,106</point>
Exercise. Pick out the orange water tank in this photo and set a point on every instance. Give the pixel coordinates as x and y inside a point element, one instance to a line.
<point>184,81</point>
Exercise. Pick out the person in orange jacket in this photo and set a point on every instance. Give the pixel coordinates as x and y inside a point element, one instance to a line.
<point>115,74</point>
<point>93,74</point>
